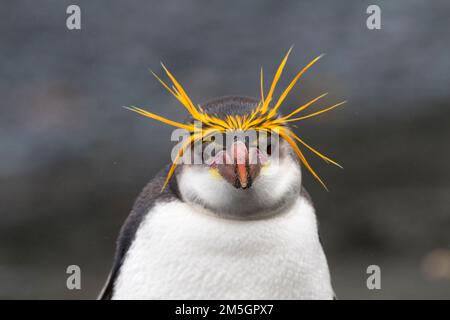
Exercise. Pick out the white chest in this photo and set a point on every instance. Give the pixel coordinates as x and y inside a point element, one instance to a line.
<point>180,252</point>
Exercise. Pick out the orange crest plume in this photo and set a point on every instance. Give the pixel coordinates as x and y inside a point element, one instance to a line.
<point>263,118</point>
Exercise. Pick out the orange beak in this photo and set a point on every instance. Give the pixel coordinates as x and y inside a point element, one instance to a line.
<point>242,175</point>
<point>236,168</point>
<point>239,153</point>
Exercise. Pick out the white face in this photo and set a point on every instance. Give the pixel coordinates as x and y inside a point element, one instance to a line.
<point>276,186</point>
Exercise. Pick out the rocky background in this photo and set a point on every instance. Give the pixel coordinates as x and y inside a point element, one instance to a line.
<point>72,160</point>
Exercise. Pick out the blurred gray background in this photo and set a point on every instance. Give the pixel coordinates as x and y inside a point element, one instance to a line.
<point>72,160</point>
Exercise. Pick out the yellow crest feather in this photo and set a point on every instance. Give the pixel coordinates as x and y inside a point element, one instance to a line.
<point>262,118</point>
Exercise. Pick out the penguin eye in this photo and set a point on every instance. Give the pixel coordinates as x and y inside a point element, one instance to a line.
<point>264,144</point>
<point>212,140</point>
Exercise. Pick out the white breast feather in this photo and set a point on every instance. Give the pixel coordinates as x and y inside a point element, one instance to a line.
<point>182,252</point>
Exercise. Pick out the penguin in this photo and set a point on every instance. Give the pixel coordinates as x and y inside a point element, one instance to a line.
<point>236,232</point>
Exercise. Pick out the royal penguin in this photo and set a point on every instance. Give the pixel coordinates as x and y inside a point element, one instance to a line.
<point>225,230</point>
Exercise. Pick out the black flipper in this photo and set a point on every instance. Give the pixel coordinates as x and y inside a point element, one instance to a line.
<point>144,202</point>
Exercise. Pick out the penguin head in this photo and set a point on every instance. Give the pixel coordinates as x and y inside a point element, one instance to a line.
<point>241,173</point>
<point>241,177</point>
